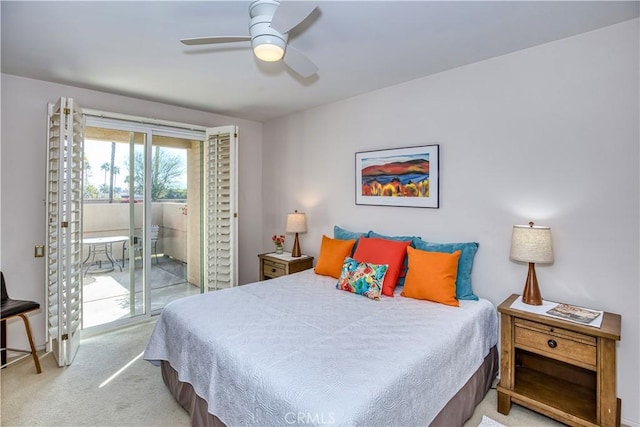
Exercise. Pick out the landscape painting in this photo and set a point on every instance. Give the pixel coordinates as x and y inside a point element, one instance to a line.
<point>398,177</point>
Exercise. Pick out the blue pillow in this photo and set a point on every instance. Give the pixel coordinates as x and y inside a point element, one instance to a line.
<point>405,264</point>
<point>342,234</point>
<point>398,238</point>
<point>464,290</point>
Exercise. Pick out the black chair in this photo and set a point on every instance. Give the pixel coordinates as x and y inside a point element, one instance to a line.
<point>11,308</point>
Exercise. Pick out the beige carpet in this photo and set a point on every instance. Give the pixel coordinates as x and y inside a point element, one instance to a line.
<point>82,395</point>
<point>109,384</point>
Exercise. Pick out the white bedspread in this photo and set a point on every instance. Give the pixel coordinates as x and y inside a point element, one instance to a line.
<point>295,350</point>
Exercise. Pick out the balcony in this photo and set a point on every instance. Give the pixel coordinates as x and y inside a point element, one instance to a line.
<point>110,268</point>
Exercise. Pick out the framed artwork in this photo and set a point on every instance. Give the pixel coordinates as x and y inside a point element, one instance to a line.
<point>399,177</point>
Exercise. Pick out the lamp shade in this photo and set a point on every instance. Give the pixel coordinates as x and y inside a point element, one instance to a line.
<point>531,243</point>
<point>296,223</point>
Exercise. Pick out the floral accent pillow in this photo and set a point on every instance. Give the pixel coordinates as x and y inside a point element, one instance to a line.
<point>362,278</point>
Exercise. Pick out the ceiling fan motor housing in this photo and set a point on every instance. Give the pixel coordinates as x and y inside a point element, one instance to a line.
<point>263,7</point>
<point>267,43</point>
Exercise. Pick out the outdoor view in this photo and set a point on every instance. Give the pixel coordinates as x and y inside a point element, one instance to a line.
<point>106,172</point>
<point>115,281</point>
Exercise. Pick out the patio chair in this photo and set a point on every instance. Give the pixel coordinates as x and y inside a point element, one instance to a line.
<point>155,236</point>
<point>12,308</point>
<point>137,243</point>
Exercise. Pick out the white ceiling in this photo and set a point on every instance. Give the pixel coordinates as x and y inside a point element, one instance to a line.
<point>133,48</point>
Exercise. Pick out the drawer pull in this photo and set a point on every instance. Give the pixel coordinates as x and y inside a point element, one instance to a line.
<point>552,343</point>
<point>273,270</point>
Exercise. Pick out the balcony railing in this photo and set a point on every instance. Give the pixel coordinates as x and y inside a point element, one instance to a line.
<point>112,219</point>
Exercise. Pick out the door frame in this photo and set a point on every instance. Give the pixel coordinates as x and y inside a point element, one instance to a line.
<point>148,127</point>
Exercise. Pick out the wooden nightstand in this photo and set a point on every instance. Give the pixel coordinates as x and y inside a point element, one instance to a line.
<point>564,370</point>
<point>274,265</point>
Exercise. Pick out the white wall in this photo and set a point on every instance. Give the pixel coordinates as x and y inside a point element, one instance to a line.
<point>23,167</point>
<point>548,134</point>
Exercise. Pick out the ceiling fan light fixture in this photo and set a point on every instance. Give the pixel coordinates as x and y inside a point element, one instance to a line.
<point>267,44</point>
<point>269,33</point>
<point>268,52</point>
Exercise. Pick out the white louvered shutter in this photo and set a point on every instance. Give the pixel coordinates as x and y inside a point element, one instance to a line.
<point>65,155</point>
<point>219,208</point>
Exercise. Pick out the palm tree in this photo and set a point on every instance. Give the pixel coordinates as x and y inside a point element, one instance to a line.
<point>106,167</point>
<point>86,167</point>
<point>112,170</point>
<point>115,171</point>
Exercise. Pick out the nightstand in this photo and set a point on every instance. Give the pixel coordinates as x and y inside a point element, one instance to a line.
<point>274,265</point>
<point>564,370</point>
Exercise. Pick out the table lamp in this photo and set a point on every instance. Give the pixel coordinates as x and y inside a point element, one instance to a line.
<point>531,244</point>
<point>296,223</point>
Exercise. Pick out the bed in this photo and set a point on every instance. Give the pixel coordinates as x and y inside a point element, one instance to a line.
<point>297,351</point>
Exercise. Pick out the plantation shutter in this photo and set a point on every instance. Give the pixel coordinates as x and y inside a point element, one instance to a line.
<point>219,208</point>
<point>64,228</point>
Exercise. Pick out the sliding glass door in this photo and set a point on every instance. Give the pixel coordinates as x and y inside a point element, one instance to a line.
<point>113,267</point>
<point>173,246</point>
<point>159,216</point>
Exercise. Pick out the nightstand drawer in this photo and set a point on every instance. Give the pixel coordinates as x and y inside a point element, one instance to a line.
<point>557,343</point>
<point>274,265</point>
<point>273,269</point>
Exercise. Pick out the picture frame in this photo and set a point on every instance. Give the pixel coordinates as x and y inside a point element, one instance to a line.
<point>406,176</point>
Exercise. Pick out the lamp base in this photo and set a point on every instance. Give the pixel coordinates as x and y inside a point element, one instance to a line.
<point>531,294</point>
<point>295,252</point>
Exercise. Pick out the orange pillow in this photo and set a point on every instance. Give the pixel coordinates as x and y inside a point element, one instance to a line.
<point>332,255</point>
<point>383,251</point>
<point>432,276</point>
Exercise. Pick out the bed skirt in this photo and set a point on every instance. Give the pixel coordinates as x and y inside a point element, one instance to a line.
<point>455,413</point>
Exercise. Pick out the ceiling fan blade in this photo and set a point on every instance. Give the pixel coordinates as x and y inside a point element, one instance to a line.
<point>291,13</point>
<point>299,63</point>
<point>214,40</point>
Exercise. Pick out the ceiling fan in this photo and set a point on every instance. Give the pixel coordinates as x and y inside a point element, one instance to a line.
<point>269,30</point>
